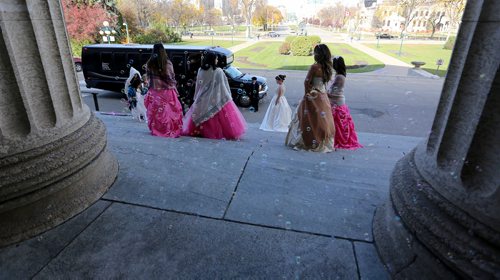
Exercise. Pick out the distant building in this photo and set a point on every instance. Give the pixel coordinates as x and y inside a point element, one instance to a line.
<point>377,15</point>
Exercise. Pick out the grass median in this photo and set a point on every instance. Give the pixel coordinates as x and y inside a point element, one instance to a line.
<point>265,55</point>
<point>426,53</point>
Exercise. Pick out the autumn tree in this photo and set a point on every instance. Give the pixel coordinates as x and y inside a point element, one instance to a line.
<point>84,20</point>
<point>212,17</point>
<point>454,10</point>
<point>434,22</point>
<point>333,16</point>
<point>179,13</point>
<point>248,7</point>
<point>378,17</point>
<point>407,10</point>
<point>145,11</point>
<point>231,11</point>
<point>109,5</point>
<point>267,15</point>
<point>128,12</point>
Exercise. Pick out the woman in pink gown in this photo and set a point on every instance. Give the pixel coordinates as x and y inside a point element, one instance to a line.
<point>164,110</point>
<point>345,134</point>
<point>213,113</point>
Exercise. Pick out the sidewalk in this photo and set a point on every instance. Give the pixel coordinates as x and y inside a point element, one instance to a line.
<point>393,66</point>
<point>239,47</point>
<point>197,208</point>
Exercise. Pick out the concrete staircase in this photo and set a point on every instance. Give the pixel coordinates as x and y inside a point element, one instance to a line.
<point>199,208</point>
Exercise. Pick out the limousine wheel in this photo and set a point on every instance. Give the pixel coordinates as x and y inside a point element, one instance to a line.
<point>78,67</point>
<point>244,101</point>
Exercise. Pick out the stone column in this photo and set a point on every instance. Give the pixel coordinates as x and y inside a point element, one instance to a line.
<point>442,220</point>
<point>53,157</point>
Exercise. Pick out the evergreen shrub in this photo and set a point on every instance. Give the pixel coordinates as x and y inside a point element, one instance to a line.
<point>284,48</point>
<point>450,43</point>
<point>301,46</point>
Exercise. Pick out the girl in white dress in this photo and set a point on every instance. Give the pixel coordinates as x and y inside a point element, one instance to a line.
<point>279,114</point>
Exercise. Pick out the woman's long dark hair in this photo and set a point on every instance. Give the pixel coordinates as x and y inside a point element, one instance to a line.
<point>339,66</point>
<point>323,57</point>
<point>208,60</point>
<point>158,61</point>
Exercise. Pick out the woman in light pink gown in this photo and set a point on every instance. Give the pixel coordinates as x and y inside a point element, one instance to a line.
<point>164,110</point>
<point>345,134</point>
<point>213,113</point>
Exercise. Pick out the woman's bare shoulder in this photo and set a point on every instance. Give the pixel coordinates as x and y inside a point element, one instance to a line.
<point>315,67</point>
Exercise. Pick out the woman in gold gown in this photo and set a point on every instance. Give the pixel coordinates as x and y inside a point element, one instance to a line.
<point>312,126</point>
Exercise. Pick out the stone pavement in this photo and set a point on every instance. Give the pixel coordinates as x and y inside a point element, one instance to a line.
<point>197,208</point>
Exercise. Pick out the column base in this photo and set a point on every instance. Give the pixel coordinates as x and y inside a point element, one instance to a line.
<point>421,235</point>
<point>43,187</point>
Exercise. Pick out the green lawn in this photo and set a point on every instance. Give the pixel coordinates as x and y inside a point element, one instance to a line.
<point>426,53</point>
<point>220,43</point>
<point>265,55</point>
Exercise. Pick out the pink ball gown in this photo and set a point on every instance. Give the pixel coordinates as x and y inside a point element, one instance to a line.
<point>164,111</point>
<point>345,134</point>
<point>213,114</point>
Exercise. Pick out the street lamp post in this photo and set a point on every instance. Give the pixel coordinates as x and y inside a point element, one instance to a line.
<point>378,38</point>
<point>107,32</point>
<point>401,45</point>
<point>126,29</point>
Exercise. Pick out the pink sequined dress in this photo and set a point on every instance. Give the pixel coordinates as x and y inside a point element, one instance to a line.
<point>345,134</point>
<point>164,111</point>
<point>213,114</point>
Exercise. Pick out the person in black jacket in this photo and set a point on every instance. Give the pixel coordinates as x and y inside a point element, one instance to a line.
<point>254,94</point>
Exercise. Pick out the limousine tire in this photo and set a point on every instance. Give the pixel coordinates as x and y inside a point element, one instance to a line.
<point>244,101</point>
<point>78,67</point>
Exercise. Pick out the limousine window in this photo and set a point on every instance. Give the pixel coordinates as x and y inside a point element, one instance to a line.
<point>233,72</point>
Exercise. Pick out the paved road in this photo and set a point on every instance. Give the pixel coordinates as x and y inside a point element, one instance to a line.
<point>399,105</point>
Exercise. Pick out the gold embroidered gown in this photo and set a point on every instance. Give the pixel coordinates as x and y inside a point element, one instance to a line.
<point>312,126</point>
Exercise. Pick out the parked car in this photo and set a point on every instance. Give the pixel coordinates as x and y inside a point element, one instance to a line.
<point>384,36</point>
<point>78,64</point>
<point>107,66</point>
<point>273,34</point>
